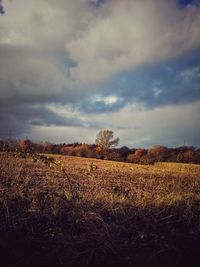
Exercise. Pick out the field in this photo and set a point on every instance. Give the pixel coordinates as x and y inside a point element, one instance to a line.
<point>70,211</point>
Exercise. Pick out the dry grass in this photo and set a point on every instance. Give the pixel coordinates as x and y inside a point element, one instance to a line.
<point>178,167</point>
<point>86,212</point>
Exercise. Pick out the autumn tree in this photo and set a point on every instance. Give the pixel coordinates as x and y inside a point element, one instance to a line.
<point>104,139</point>
<point>158,153</point>
<point>26,145</point>
<point>137,156</point>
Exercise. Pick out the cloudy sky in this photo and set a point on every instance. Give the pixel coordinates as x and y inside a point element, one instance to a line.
<point>69,68</point>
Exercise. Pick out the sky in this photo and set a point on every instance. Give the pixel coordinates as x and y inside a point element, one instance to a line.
<point>71,68</point>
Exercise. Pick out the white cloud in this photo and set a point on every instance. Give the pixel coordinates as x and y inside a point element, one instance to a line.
<point>189,74</point>
<point>133,33</point>
<point>108,100</point>
<point>157,91</point>
<point>104,41</point>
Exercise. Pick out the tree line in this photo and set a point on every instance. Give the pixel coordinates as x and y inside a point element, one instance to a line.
<point>104,148</point>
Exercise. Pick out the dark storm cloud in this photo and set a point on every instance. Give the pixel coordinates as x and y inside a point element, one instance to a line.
<point>28,84</point>
<point>43,116</point>
<point>10,127</point>
<point>97,3</point>
<point>15,120</point>
<point>185,3</point>
<point>2,11</point>
<point>26,77</point>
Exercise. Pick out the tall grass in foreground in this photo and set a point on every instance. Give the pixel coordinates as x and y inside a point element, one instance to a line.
<point>67,211</point>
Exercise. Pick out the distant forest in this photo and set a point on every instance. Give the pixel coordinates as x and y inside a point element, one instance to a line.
<point>157,153</point>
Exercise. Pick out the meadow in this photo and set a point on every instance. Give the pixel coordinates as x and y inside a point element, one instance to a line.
<point>68,211</point>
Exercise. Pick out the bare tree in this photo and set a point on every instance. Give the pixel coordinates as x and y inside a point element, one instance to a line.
<point>104,139</point>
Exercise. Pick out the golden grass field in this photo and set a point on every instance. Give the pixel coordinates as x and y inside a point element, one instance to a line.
<point>70,211</point>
